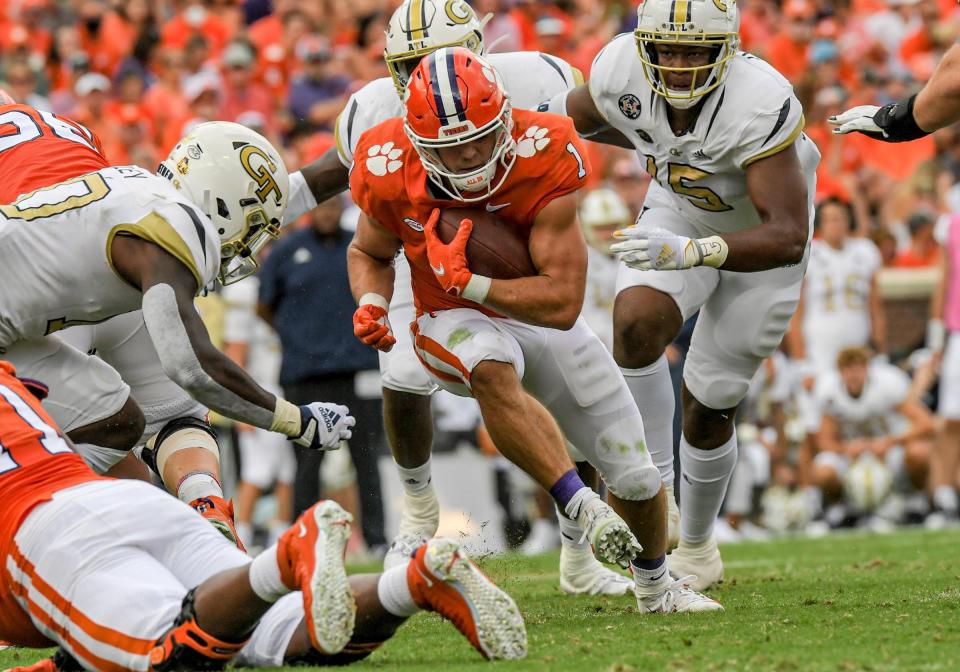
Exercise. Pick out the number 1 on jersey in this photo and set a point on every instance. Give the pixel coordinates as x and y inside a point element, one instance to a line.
<point>581,171</point>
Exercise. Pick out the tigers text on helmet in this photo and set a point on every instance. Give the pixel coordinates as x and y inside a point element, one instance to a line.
<point>237,178</point>
<point>714,24</point>
<point>455,97</point>
<point>419,27</point>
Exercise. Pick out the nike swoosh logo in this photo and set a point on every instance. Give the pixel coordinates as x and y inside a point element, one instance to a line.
<point>493,208</point>
<point>438,271</point>
<point>424,576</point>
<point>303,530</point>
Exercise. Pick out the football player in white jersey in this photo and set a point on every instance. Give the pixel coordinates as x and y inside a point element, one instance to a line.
<point>417,28</point>
<point>867,407</point>
<point>121,239</point>
<point>720,132</point>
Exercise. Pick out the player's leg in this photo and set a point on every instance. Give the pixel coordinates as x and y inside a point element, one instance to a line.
<point>740,325</point>
<point>576,378</point>
<point>471,354</point>
<point>439,578</point>
<point>649,311</point>
<point>408,422</point>
<point>181,447</point>
<point>113,608</point>
<point>88,399</point>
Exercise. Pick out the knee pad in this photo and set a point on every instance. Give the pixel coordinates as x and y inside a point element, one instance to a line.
<point>634,484</point>
<point>351,653</point>
<point>186,646</point>
<point>179,434</point>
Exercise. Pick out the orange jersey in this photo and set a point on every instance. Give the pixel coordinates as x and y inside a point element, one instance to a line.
<point>35,462</point>
<point>390,185</point>
<point>39,148</point>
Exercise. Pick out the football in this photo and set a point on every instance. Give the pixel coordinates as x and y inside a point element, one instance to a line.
<point>494,249</point>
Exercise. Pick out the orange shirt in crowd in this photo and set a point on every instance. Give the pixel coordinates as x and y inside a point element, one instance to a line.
<point>178,31</point>
<point>909,258</point>
<point>790,58</point>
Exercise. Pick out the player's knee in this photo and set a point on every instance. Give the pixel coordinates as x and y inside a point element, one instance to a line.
<point>826,478</point>
<point>177,435</point>
<point>634,484</point>
<point>187,646</point>
<point>492,381</point>
<point>639,341</point>
<point>121,431</point>
<point>917,456</point>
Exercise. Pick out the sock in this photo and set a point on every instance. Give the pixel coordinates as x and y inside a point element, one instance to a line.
<point>649,576</point>
<point>814,498</point>
<point>705,474</point>
<point>652,389</point>
<point>394,592</point>
<point>415,480</point>
<point>570,533</point>
<point>245,531</point>
<point>198,484</point>
<point>566,487</point>
<point>99,458</point>
<point>945,499</point>
<point>265,576</point>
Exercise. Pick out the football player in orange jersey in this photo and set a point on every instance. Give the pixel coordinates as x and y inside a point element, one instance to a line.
<point>55,189</point>
<point>517,346</point>
<point>160,590</point>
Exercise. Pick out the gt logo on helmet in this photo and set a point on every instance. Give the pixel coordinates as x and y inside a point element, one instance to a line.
<point>262,173</point>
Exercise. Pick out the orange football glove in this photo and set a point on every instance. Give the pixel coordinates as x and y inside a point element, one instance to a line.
<point>449,261</point>
<point>370,325</point>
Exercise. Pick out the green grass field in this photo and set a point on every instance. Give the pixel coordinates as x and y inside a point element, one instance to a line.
<point>848,602</point>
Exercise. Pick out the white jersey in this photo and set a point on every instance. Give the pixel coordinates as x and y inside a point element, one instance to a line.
<point>529,77</point>
<point>836,295</point>
<point>601,292</point>
<point>873,413</point>
<point>752,115</point>
<point>55,266</point>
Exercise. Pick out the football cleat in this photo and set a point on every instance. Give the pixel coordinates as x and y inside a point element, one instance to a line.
<point>677,597</point>
<point>219,512</point>
<point>673,519</point>
<point>402,549</point>
<point>582,574</point>
<point>310,555</point>
<point>608,534</point>
<point>187,646</point>
<point>444,580</point>
<point>701,563</point>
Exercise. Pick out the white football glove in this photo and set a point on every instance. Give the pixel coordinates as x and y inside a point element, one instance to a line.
<point>324,426</point>
<point>859,118</point>
<point>661,250</point>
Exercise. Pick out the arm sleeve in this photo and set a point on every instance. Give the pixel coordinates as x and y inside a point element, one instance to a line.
<point>772,130</point>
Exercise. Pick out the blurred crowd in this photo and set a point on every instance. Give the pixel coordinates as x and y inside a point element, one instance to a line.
<point>141,73</point>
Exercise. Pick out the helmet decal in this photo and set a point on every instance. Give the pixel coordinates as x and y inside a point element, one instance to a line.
<point>262,174</point>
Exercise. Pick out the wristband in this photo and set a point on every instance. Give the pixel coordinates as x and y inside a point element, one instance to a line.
<point>897,122</point>
<point>477,288</point>
<point>713,251</point>
<point>374,299</point>
<point>286,419</point>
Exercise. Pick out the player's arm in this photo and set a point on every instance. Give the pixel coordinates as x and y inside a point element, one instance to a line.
<point>828,436</point>
<point>935,107</point>
<point>191,360</point>
<point>796,346</point>
<point>552,298</point>
<point>578,104</point>
<point>878,316</point>
<point>936,333</point>
<point>316,182</point>
<point>921,421</point>
<point>370,269</point>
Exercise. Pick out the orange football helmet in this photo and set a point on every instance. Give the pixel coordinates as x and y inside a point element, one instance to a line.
<point>455,97</point>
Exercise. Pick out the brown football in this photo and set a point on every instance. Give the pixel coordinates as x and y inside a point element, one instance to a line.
<point>494,249</point>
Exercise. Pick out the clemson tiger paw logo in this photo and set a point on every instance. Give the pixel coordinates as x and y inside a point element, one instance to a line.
<point>532,141</point>
<point>383,159</point>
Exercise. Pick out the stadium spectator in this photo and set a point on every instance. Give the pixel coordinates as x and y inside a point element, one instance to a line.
<point>924,250</point>
<point>789,50</point>
<point>165,98</point>
<point>319,93</point>
<point>305,296</point>
<point>22,83</point>
<point>241,92</point>
<point>193,19</point>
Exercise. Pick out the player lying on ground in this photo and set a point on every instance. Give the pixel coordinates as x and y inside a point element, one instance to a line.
<point>158,589</point>
<point>517,346</point>
<point>730,205</point>
<point>417,28</point>
<point>87,242</point>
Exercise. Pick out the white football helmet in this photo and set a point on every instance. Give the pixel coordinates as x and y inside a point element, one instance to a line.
<point>698,23</point>
<point>867,483</point>
<point>420,27</point>
<point>602,211</point>
<point>237,178</point>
